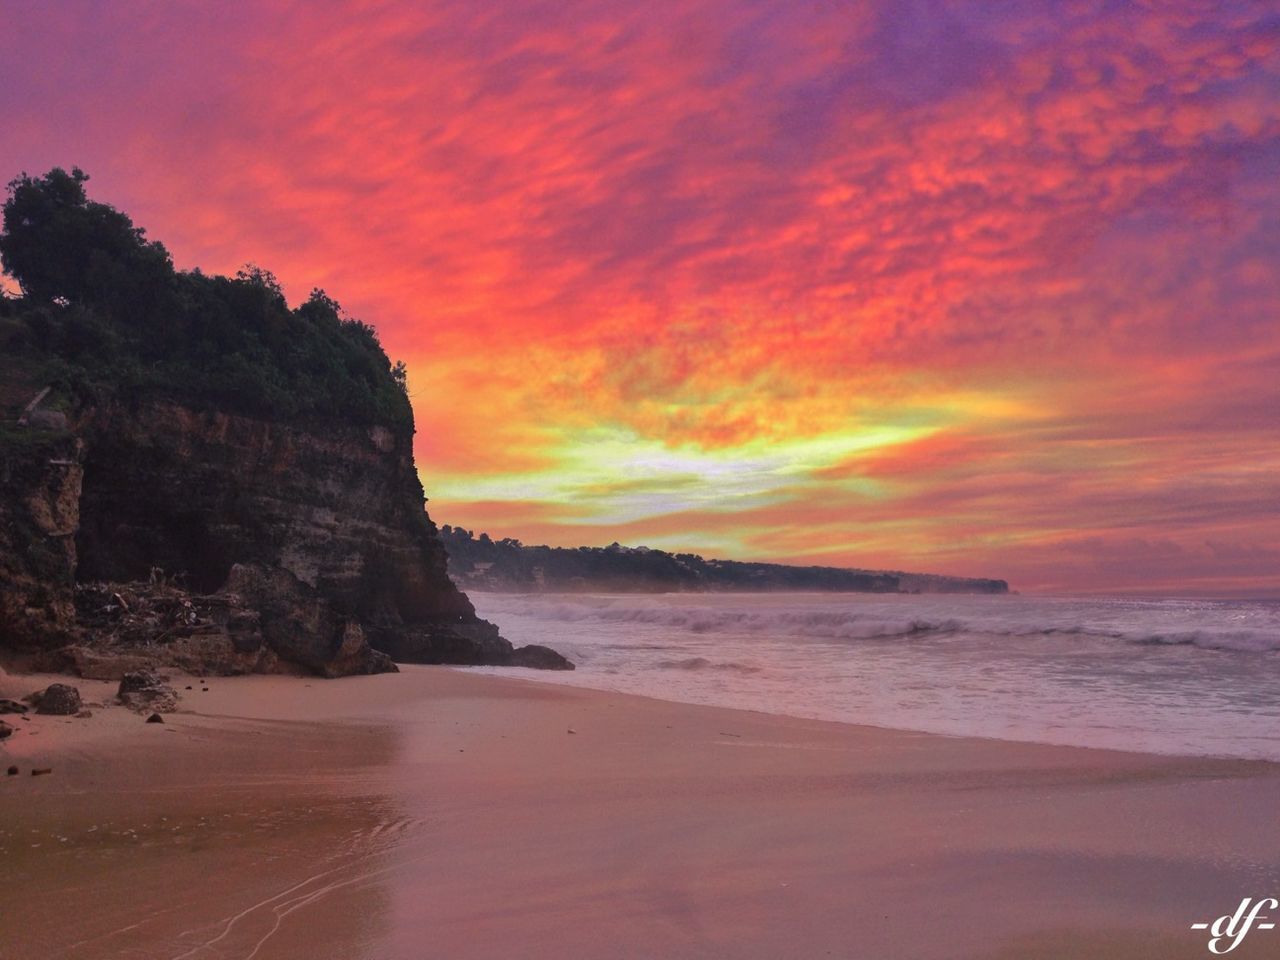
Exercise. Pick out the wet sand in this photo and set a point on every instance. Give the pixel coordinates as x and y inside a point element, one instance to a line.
<point>436,813</point>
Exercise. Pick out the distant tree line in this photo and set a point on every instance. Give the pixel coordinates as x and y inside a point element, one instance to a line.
<point>102,307</point>
<point>482,563</point>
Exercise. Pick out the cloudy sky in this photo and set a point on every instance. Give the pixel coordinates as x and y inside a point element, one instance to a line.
<point>986,288</point>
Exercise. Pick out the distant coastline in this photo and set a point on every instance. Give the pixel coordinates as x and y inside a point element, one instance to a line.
<point>479,562</point>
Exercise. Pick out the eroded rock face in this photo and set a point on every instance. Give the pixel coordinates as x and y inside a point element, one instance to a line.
<point>40,482</point>
<point>338,506</point>
<point>299,624</point>
<point>312,536</point>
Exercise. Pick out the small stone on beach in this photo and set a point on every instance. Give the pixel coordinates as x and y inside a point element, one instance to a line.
<point>41,772</point>
<point>58,699</point>
<point>13,771</point>
<point>155,718</point>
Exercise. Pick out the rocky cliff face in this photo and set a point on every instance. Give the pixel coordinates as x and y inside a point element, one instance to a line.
<point>241,469</point>
<point>40,482</point>
<point>339,507</point>
<point>315,531</point>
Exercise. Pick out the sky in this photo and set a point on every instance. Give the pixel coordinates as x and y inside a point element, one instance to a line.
<point>981,288</point>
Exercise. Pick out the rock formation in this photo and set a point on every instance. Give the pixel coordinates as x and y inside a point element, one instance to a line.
<point>145,691</point>
<point>243,470</point>
<point>40,477</point>
<point>307,546</point>
<point>59,700</point>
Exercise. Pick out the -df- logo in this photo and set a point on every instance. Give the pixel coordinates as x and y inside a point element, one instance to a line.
<point>1229,931</point>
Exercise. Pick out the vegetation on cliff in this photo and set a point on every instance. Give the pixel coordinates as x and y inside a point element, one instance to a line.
<point>102,308</point>
<point>482,563</point>
<point>194,475</point>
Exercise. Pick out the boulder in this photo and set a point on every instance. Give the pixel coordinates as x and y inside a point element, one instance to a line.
<point>477,644</point>
<point>138,680</point>
<point>59,699</point>
<point>145,691</point>
<point>538,657</point>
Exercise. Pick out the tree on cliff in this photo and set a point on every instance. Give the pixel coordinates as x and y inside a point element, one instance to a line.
<point>60,245</point>
<point>104,308</point>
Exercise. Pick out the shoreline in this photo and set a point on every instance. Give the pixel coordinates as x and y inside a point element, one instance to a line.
<point>440,812</point>
<point>483,671</point>
<point>492,673</point>
<point>100,695</point>
<point>1180,680</point>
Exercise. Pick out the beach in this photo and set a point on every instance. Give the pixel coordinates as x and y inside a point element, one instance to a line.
<point>691,481</point>
<point>440,813</point>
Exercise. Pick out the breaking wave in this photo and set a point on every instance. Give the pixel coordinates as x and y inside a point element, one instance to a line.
<point>702,663</point>
<point>1249,641</point>
<point>874,620</point>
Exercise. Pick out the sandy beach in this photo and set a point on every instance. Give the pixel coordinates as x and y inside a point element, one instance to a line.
<point>438,813</point>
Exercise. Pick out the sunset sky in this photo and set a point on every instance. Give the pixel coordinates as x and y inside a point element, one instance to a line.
<point>976,288</point>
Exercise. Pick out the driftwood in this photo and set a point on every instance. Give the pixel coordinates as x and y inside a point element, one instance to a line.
<point>31,407</point>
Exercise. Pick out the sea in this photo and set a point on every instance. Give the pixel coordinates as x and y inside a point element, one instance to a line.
<point>1170,676</point>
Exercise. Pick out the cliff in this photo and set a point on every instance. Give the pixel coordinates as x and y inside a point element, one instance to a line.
<point>482,563</point>
<point>40,480</point>
<point>242,471</point>
<point>335,505</point>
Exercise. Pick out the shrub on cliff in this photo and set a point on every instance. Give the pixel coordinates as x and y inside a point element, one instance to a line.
<point>104,308</point>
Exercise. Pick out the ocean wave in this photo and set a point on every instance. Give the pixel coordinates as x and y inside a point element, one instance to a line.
<point>1242,641</point>
<point>702,663</point>
<point>1146,624</point>
<point>824,624</point>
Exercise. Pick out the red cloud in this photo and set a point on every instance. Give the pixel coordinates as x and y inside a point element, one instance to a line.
<point>1047,234</point>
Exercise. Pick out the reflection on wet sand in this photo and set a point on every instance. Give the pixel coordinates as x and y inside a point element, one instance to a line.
<point>439,814</point>
<point>205,850</point>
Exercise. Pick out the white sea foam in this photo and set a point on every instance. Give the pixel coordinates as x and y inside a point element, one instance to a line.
<point>1172,676</point>
<point>1209,624</point>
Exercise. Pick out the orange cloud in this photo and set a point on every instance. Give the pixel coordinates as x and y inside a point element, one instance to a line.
<point>1028,252</point>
